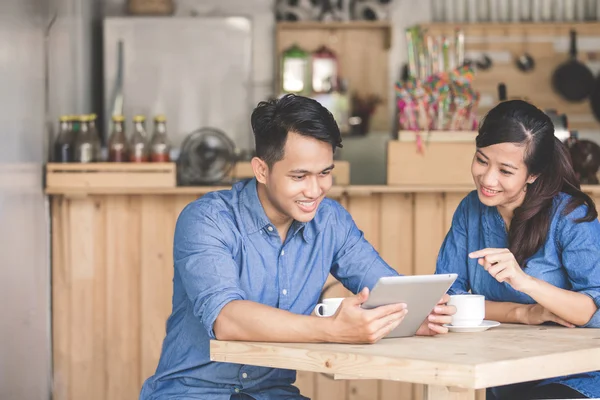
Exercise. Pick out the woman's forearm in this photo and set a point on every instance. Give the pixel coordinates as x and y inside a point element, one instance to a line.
<point>576,308</point>
<point>505,312</point>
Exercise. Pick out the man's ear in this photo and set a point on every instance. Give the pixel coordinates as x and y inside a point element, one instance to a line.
<point>260,169</point>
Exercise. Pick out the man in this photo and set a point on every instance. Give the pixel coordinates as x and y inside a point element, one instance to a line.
<point>250,264</point>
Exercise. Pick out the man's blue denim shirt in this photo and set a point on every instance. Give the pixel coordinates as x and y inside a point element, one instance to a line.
<point>226,249</point>
<point>569,259</point>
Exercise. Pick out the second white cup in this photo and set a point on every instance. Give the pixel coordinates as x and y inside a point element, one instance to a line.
<point>470,309</point>
<point>328,307</point>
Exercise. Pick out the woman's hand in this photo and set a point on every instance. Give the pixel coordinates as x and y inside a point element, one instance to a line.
<point>535,314</point>
<point>441,314</point>
<point>502,265</point>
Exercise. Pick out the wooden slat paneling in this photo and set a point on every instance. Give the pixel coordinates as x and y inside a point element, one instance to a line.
<point>428,231</point>
<point>396,248</point>
<point>86,296</point>
<point>306,382</point>
<point>363,389</point>
<point>156,279</point>
<point>396,221</point>
<point>365,211</point>
<point>330,389</point>
<point>123,297</point>
<point>61,295</point>
<point>100,243</point>
<point>451,202</point>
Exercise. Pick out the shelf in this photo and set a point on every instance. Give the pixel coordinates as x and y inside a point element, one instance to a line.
<point>362,49</point>
<point>516,28</point>
<point>335,25</point>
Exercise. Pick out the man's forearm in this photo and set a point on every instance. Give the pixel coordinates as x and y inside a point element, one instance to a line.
<point>251,321</point>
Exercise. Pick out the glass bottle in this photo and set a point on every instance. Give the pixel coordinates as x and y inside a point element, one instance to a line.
<point>74,126</point>
<point>64,143</point>
<point>84,144</point>
<point>160,146</point>
<point>118,148</point>
<point>138,145</point>
<point>95,137</point>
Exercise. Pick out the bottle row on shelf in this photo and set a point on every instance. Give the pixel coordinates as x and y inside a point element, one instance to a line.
<point>78,141</point>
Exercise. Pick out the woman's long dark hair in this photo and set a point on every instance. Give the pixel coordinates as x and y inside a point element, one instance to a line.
<point>523,124</point>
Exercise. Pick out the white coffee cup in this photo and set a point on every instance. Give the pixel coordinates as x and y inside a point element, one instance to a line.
<point>470,309</point>
<point>328,307</point>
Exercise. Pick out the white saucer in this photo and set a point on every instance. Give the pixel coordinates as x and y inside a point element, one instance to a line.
<point>484,326</point>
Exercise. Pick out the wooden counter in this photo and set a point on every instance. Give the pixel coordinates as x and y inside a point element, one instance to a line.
<point>112,279</point>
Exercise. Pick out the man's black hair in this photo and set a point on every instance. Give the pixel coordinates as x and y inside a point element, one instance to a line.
<point>272,121</point>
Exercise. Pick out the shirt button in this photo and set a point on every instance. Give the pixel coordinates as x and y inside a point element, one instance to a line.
<point>237,390</point>
<point>282,252</point>
<point>284,291</point>
<point>244,375</point>
<point>270,228</point>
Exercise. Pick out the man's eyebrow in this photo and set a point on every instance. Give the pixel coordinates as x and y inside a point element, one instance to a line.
<point>304,171</point>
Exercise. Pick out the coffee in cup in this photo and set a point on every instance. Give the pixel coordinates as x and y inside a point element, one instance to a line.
<point>470,309</point>
<point>328,307</point>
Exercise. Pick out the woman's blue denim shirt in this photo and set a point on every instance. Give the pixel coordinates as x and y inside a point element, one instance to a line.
<point>569,259</point>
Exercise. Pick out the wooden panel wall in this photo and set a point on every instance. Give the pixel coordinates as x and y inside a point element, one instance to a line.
<point>112,284</point>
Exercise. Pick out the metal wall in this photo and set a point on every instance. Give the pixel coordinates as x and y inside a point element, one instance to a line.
<point>24,268</point>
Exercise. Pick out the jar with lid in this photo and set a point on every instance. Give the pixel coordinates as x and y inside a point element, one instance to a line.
<point>295,70</point>
<point>118,148</point>
<point>65,142</point>
<point>160,146</point>
<point>95,137</point>
<point>138,145</point>
<point>85,143</point>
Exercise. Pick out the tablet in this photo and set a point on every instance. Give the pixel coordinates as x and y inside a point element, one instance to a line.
<point>421,294</point>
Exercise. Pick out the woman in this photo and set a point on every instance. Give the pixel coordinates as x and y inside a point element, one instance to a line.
<point>527,239</point>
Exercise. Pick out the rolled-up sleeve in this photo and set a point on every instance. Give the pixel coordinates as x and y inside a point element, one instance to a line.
<point>452,258</point>
<point>203,258</point>
<point>580,245</point>
<point>356,263</point>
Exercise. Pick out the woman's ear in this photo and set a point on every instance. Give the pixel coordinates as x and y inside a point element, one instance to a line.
<point>260,169</point>
<point>532,178</point>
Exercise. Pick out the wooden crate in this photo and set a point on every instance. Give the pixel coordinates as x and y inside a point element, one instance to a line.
<point>111,175</point>
<point>445,160</point>
<point>341,172</point>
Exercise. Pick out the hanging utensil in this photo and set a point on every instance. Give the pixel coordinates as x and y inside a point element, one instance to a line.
<point>502,96</point>
<point>525,61</point>
<point>573,80</point>
<point>484,62</point>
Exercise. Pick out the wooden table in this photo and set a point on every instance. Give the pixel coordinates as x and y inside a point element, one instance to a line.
<point>451,366</point>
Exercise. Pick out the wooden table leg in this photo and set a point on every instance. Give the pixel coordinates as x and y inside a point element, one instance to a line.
<point>434,392</point>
